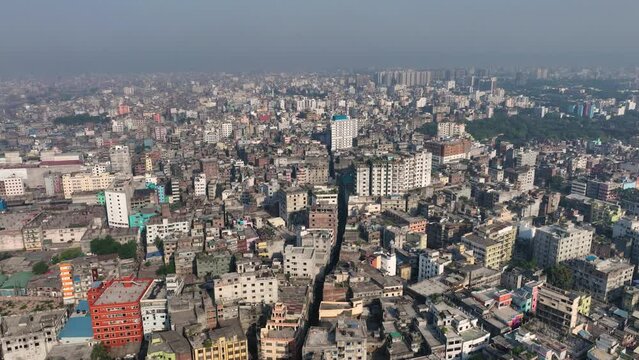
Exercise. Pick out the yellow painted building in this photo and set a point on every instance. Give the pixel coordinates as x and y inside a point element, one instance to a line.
<point>227,342</point>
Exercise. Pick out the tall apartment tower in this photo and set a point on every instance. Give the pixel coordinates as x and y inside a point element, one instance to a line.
<point>394,174</point>
<point>120,159</point>
<point>343,131</point>
<point>118,203</point>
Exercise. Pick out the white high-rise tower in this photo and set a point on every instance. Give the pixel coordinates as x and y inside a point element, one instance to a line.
<point>343,131</point>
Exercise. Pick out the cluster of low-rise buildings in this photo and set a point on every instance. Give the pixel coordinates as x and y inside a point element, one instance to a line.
<point>270,219</point>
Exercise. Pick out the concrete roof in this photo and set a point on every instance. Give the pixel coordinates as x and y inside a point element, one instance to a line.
<point>18,325</point>
<point>123,291</point>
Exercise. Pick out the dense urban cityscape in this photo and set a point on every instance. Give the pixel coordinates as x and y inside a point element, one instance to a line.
<point>464,213</point>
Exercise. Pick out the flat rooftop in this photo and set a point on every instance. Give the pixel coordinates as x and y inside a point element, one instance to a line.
<point>18,325</point>
<point>123,291</point>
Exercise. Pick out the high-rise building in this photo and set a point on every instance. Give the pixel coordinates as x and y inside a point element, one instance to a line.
<point>120,159</point>
<point>525,157</point>
<point>431,264</point>
<point>363,179</point>
<point>154,309</point>
<point>448,129</point>
<point>394,174</point>
<point>301,262</point>
<point>226,130</point>
<point>199,185</point>
<point>523,178</point>
<point>559,308</point>
<point>492,244</point>
<point>114,306</point>
<point>448,151</point>
<point>292,202</point>
<point>323,217</point>
<point>118,203</point>
<point>603,279</point>
<point>343,131</point>
<point>556,243</point>
<point>210,167</point>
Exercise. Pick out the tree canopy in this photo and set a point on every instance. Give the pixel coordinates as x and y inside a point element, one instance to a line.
<point>528,127</point>
<point>40,268</point>
<point>79,119</point>
<point>107,245</point>
<point>560,276</point>
<point>67,254</point>
<point>166,268</point>
<point>100,352</point>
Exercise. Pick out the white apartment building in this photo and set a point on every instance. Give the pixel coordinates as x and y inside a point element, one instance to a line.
<point>556,243</point>
<point>300,262</point>
<point>226,130</point>
<point>11,186</point>
<point>199,185</point>
<point>449,128</point>
<point>460,333</point>
<point>250,287</point>
<point>83,182</point>
<point>343,131</point>
<point>324,195</point>
<point>431,264</point>
<point>394,174</point>
<point>154,309</point>
<point>163,227</point>
<point>120,159</point>
<point>211,137</point>
<point>118,203</point>
<point>363,179</point>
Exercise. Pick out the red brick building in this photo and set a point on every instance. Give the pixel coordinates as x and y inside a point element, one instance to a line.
<point>323,217</point>
<point>115,310</point>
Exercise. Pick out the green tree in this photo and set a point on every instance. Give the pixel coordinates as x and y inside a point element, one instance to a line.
<point>40,268</point>
<point>79,119</point>
<point>104,246</point>
<point>108,245</point>
<point>67,254</point>
<point>159,244</point>
<point>128,250</point>
<point>556,183</point>
<point>100,352</point>
<point>560,276</point>
<point>166,269</point>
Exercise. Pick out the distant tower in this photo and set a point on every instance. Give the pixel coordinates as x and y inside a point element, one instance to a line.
<point>343,131</point>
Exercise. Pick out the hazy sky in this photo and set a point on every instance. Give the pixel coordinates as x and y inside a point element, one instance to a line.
<point>74,36</point>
